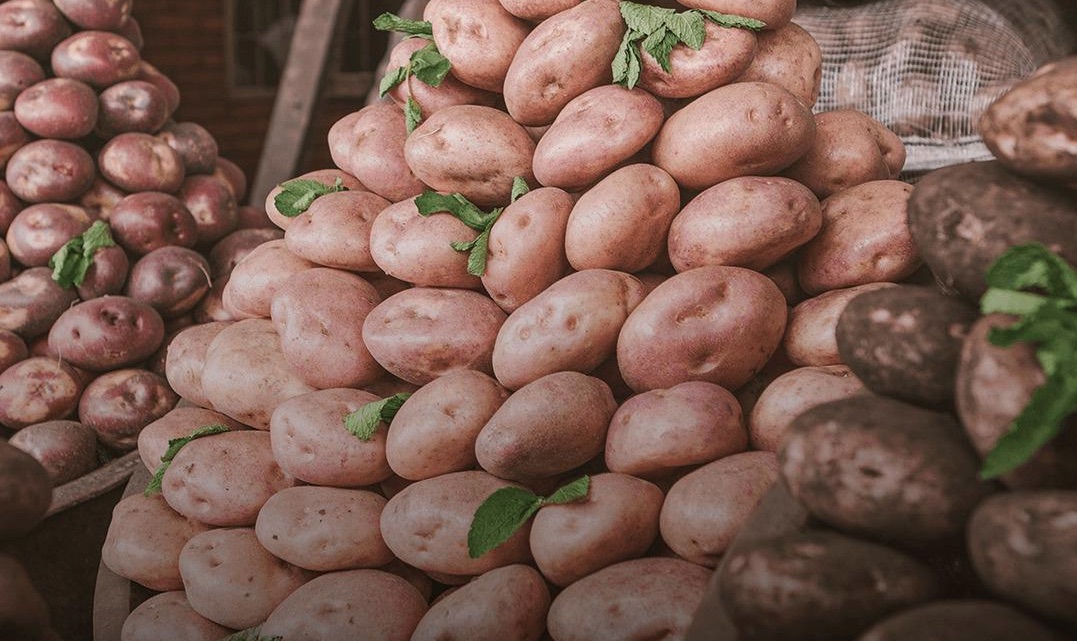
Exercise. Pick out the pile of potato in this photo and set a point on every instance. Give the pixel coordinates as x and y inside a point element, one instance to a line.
<point>91,156</point>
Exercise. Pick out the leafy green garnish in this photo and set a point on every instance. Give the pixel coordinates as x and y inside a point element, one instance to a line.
<point>71,262</point>
<point>658,29</point>
<point>391,22</point>
<point>1047,318</point>
<point>251,634</point>
<point>507,509</point>
<point>413,114</point>
<point>363,422</point>
<point>431,202</point>
<point>174,446</point>
<point>297,195</point>
<point>426,64</point>
<point>519,188</point>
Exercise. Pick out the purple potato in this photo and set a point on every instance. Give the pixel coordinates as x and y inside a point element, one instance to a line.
<point>58,108</point>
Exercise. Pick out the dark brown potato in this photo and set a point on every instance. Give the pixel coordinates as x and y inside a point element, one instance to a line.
<point>17,72</point>
<point>101,198</point>
<point>49,171</point>
<point>233,176</point>
<point>106,15</point>
<point>23,612</point>
<point>168,89</point>
<point>966,620</point>
<point>66,449</point>
<point>12,349</point>
<point>881,468</point>
<point>106,275</point>
<point>133,105</point>
<point>818,586</point>
<point>12,136</point>
<point>40,388</point>
<point>58,108</point>
<point>196,146</point>
<point>40,230</point>
<point>98,58</point>
<point>232,248</point>
<point>905,341</point>
<point>107,333</point>
<point>31,302</point>
<point>170,279</point>
<point>117,405</point>
<point>9,207</point>
<point>213,206</point>
<point>141,162</point>
<point>31,26</point>
<point>147,221</point>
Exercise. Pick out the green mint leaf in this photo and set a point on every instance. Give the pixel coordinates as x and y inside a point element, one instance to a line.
<point>363,422</point>
<point>574,491</point>
<point>297,195</point>
<point>174,446</point>
<point>1004,301</point>
<point>391,79</point>
<point>498,518</point>
<point>390,22</point>
<point>626,63</point>
<point>1041,420</point>
<point>688,27</point>
<point>736,22</point>
<point>72,261</point>
<point>429,66</point>
<point>644,18</point>
<point>431,202</point>
<point>476,258</point>
<point>1033,265</point>
<point>413,114</point>
<point>519,188</point>
<point>659,44</point>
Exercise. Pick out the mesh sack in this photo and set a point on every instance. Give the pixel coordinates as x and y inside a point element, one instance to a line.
<point>927,69</point>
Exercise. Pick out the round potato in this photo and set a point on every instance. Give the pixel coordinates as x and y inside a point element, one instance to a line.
<point>255,280</point>
<point>25,492</point>
<point>57,108</point>
<point>147,221</point>
<point>106,275</point>
<point>571,326</point>
<point>49,171</point>
<point>98,58</point>
<point>132,105</point>
<point>335,231</point>
<point>169,615</point>
<point>369,144</point>
<point>506,604</point>
<point>196,147</point>
<point>334,178</point>
<point>144,541</point>
<point>748,222</point>
<point>774,13</point>
<point>234,247</point>
<point>37,389</point>
<point>118,404</point>
<point>186,360</point>
<point>716,324</point>
<point>724,56</point>
<point>212,206</point>
<point>170,279</point>
<point>153,75</point>
<point>38,231</point>
<point>12,138</point>
<point>101,198</point>
<point>17,72</point>
<point>434,432</point>
<point>959,620</point>
<point>450,92</point>
<point>107,333</point>
<point>794,393</point>
<point>810,337</point>
<point>479,37</point>
<point>630,601</point>
<point>788,57</point>
<point>742,129</point>
<point>31,302</point>
<point>140,162</point>
<point>177,423</point>
<point>32,27</point>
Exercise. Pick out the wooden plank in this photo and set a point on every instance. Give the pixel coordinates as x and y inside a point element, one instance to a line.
<point>100,481</point>
<point>298,92</point>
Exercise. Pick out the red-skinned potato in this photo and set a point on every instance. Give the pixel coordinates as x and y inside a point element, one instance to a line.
<point>197,148</point>
<point>369,144</point>
<point>32,27</point>
<point>335,230</point>
<point>12,349</point>
<point>228,251</point>
<point>12,136</point>
<point>233,176</point>
<point>512,600</point>
<point>40,230</point>
<point>177,423</point>
<point>118,404</point>
<point>17,72</point>
<point>9,207</point>
<point>132,105</point>
<point>450,92</point>
<point>140,162</point>
<point>724,56</point>
<point>170,279</point>
<point>132,30</point>
<point>479,37</point>
<point>106,275</point>
<point>212,205</point>
<point>169,615</point>
<point>32,301</point>
<point>38,389</point>
<point>775,13</point>
<point>58,108</point>
<point>144,222</point>
<point>251,217</point>
<point>664,431</point>
<point>327,177</point>
<point>794,393</point>
<point>66,449</point>
<point>107,333</point>
<point>49,171</point>
<point>101,198</point>
<point>107,15</point>
<point>255,279</point>
<point>788,57</point>
<point>98,58</point>
<point>164,84</point>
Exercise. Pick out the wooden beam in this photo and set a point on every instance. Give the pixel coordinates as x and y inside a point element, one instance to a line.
<point>297,94</point>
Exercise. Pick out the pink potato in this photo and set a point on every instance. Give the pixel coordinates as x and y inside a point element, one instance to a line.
<point>39,231</point>
<point>49,171</point>
<point>107,333</point>
<point>479,37</point>
<point>177,423</point>
<point>810,337</point>
<point>724,56</point>
<point>32,27</point>
<point>66,449</point>
<point>139,162</point>
<point>58,108</point>
<point>255,279</point>
<point>118,404</point>
<point>801,73</point>
<point>169,615</point>
<point>794,393</point>
<point>327,177</point>
<point>450,92</point>
<point>17,72</point>
<point>186,360</point>
<point>369,144</point>
<point>335,230</point>
<point>38,389</point>
<point>234,247</point>
<point>98,58</point>
<point>417,249</point>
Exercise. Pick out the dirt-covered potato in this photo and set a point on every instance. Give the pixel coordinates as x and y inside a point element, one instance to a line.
<point>811,336</point>
<point>479,37</point>
<point>32,27</point>
<point>36,389</point>
<point>717,324</point>
<point>144,541</point>
<point>819,586</point>
<point>959,620</point>
<point>792,394</point>
<point>170,279</point>
<point>506,604</point>
<point>232,580</point>
<point>17,72</point>
<point>905,341</point>
<point>369,144</point>
<point>335,231</point>
<point>49,171</point>
<point>196,148</point>
<point>636,600</point>
<point>418,249</point>
<point>549,426</point>
<point>724,56</point>
<point>40,230</point>
<point>31,302</point>
<point>118,404</point>
<point>186,360</point>
<point>169,615</point>
<point>25,492</point>
<point>212,205</point>
<point>884,469</point>
<point>788,57</point>
<point>563,57</point>
<point>441,509</point>
<point>57,108</point>
<point>254,281</point>
<point>179,422</point>
<point>107,333</point>
<point>98,58</point>
<point>749,221</point>
<point>140,162</point>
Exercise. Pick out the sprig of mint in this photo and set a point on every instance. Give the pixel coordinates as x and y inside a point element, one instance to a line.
<point>251,634</point>
<point>658,29</point>
<point>174,446</point>
<point>519,188</point>
<point>431,202</point>
<point>71,262</point>
<point>392,22</point>
<point>297,195</point>
<point>426,64</point>
<point>1047,318</point>
<point>363,422</point>
<point>413,114</point>
<point>507,509</point>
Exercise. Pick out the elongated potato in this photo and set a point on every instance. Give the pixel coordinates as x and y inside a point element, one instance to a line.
<point>66,449</point>
<point>169,615</point>
<point>255,279</point>
<point>724,56</point>
<point>327,177</point>
<point>335,230</point>
<point>479,37</point>
<point>792,394</point>
<point>960,620</point>
<point>775,13</point>
<point>506,604</point>
<point>181,421</point>
<point>31,302</point>
<point>186,360</point>
<point>418,249</point>
<point>451,91</point>
<point>369,144</point>
<point>788,57</point>
<point>107,333</point>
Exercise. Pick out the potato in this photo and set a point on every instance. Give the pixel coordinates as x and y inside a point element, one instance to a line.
<point>12,349</point>
<point>107,333</point>
<point>107,15</point>
<point>144,541</point>
<point>850,149</point>
<point>788,57</point>
<point>884,469</point>
<point>212,205</point>
<point>106,275</point>
<point>472,150</point>
<point>255,280</point>
<point>426,525</point>
<point>49,171</point>
<point>177,423</point>
<point>742,129</point>
<point>147,221</point>
<point>232,580</point>
<point>169,614</point>
<point>57,108</point>
<point>234,247</point>
<point>561,58</point>
<point>792,394</point>
<point>24,614</point>
<point>994,384</point>
<point>1020,544</point>
<point>39,231</point>
<point>865,238</point>
<point>1024,127</point>
<point>311,443</point>
<point>25,492</point>
<point>506,604</point>
<point>724,56</point>
<point>196,148</point>
<point>810,337</point>
<point>118,404</point>
<point>170,279</point>
<point>416,248</point>
<point>775,13</point>
<point>9,207</point>
<point>715,324</point>
<point>596,131</point>
<point>335,230</point>
<point>424,332</point>
<point>246,376</point>
<point>631,601</point>
<point>818,585</point>
<point>32,27</point>
<point>434,432</point>
<point>706,509</point>
<point>98,58</point>
<point>479,37</point>
<point>959,620</point>
<point>140,162</point>
<point>369,144</point>
<point>12,137</point>
<point>964,217</point>
<point>31,302</point>
<point>36,389</point>
<point>750,221</point>
<point>324,528</point>
<point>17,72</point>
<point>348,605</point>
<point>905,341</point>
<point>549,426</point>
<point>101,198</point>
<point>450,92</point>
<point>224,479</point>
<point>537,10</point>
<point>153,75</point>
<point>571,326</point>
<point>186,360</point>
